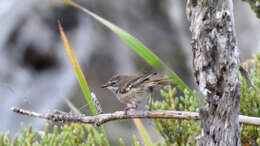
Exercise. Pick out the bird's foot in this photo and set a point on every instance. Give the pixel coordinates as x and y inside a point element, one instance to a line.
<point>130,108</point>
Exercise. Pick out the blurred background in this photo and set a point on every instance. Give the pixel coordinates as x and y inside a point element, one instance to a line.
<point>36,74</point>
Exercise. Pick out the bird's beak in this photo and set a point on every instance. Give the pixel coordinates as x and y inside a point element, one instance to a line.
<point>105,85</point>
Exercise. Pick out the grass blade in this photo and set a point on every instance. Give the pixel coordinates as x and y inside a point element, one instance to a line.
<point>81,79</point>
<point>136,45</point>
<point>143,133</point>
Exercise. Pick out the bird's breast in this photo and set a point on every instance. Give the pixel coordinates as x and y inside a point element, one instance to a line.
<point>134,96</point>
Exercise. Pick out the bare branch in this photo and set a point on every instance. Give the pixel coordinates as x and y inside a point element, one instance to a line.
<point>120,115</point>
<point>97,103</point>
<point>245,74</point>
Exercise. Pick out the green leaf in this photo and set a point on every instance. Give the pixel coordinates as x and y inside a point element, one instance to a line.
<point>81,78</point>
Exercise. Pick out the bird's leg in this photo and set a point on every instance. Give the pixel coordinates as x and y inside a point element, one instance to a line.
<point>151,101</point>
<point>130,107</point>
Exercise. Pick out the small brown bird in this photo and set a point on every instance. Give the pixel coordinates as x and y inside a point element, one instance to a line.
<point>134,90</point>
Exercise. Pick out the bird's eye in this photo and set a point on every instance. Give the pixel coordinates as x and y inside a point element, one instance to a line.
<point>113,84</point>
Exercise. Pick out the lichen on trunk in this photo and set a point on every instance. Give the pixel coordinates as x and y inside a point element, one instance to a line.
<point>215,67</point>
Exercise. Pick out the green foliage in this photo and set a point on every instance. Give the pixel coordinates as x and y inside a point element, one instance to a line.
<point>250,104</point>
<point>67,135</point>
<point>5,139</point>
<point>177,132</point>
<point>75,134</point>
<point>121,142</point>
<point>182,132</point>
<point>136,142</point>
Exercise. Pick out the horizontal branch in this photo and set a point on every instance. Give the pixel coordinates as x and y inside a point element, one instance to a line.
<point>120,115</point>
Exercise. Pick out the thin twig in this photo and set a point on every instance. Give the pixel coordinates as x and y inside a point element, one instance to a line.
<point>120,115</point>
<point>245,74</point>
<point>97,103</point>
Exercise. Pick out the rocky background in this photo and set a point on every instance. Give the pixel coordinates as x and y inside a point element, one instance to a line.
<point>35,72</point>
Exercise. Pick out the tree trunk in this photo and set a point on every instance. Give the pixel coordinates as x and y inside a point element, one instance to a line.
<point>215,67</point>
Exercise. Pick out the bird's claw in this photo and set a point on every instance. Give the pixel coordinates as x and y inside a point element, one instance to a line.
<point>130,108</point>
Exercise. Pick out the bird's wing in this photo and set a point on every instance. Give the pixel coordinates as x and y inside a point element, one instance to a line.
<point>139,80</point>
<point>156,82</point>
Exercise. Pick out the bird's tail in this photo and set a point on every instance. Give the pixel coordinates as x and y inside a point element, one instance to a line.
<point>158,82</point>
<point>164,81</point>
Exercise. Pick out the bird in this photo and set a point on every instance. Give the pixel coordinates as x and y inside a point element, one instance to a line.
<point>133,90</point>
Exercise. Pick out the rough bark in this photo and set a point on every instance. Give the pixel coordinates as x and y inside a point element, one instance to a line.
<point>215,67</point>
<point>60,116</point>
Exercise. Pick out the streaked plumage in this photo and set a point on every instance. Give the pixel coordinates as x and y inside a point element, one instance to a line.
<point>133,90</point>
